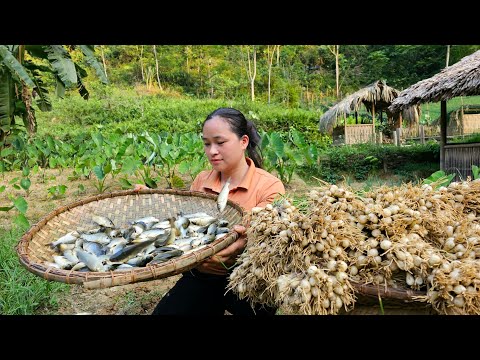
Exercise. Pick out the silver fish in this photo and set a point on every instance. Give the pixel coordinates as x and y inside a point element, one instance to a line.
<point>222,230</point>
<point>223,196</point>
<point>63,247</point>
<point>123,267</point>
<point>63,262</point>
<point>149,234</point>
<point>79,265</point>
<point>165,224</point>
<point>212,228</point>
<point>203,221</point>
<point>171,237</point>
<point>149,221</point>
<point>181,225</point>
<point>70,256</point>
<point>66,239</point>
<point>52,264</point>
<point>131,251</point>
<point>204,240</point>
<point>103,221</point>
<point>140,260</point>
<point>196,215</point>
<point>100,238</point>
<point>166,255</point>
<point>92,261</point>
<point>93,248</point>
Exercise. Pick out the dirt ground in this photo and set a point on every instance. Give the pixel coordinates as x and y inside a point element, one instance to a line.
<point>132,299</point>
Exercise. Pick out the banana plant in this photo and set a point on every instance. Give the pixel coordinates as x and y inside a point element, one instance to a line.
<point>21,70</point>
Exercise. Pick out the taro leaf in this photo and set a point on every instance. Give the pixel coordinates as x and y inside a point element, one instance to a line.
<point>475,172</point>
<point>130,165</point>
<point>52,162</point>
<point>20,204</point>
<point>21,221</point>
<point>61,189</point>
<point>98,171</point>
<point>150,158</point>
<point>277,144</point>
<point>6,152</point>
<point>177,182</point>
<point>107,168</point>
<point>184,167</point>
<point>25,171</point>
<point>126,184</point>
<point>150,183</point>
<point>439,178</point>
<point>25,183</point>
<point>98,139</point>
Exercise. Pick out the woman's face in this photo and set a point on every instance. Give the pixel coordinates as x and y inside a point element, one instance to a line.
<point>222,146</point>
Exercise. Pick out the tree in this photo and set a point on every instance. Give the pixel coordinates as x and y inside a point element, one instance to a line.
<point>21,70</point>
<point>156,67</point>
<point>270,53</point>
<point>335,49</point>
<point>252,70</point>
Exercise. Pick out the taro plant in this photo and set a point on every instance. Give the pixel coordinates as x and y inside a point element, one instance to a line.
<point>438,179</point>
<point>57,191</point>
<point>475,172</point>
<point>285,156</point>
<point>20,205</point>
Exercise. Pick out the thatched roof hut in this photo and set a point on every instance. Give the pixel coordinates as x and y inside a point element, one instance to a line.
<point>459,79</point>
<point>376,98</point>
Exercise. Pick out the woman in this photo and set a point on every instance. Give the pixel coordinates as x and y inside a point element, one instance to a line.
<point>227,138</point>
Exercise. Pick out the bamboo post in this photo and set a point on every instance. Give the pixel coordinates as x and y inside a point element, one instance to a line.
<point>422,134</point>
<point>373,121</point>
<point>395,140</point>
<point>443,133</point>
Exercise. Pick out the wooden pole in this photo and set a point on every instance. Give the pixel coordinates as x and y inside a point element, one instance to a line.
<point>443,132</point>
<point>373,121</point>
<point>422,134</point>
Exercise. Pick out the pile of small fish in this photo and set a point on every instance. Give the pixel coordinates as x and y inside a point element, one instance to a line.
<point>143,241</point>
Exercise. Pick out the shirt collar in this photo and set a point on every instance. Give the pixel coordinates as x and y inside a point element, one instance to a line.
<point>213,180</point>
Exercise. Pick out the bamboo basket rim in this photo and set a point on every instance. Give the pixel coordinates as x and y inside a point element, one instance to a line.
<point>95,280</point>
<point>389,293</point>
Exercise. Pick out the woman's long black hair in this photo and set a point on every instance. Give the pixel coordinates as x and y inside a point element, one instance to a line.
<point>241,126</point>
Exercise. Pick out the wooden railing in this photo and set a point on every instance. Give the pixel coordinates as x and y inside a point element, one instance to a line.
<point>459,159</point>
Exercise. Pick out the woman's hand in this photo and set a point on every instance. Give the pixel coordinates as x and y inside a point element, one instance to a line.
<point>138,187</point>
<point>225,258</point>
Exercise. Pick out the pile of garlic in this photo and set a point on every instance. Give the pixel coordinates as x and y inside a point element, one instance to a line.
<point>405,237</point>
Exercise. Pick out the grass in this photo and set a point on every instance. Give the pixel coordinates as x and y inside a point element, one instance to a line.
<point>132,303</point>
<point>431,111</point>
<point>21,292</point>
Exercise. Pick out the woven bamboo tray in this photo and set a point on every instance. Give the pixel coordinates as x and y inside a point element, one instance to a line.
<point>370,299</point>
<point>34,250</point>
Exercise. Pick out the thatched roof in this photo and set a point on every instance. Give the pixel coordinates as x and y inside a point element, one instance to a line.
<point>378,94</point>
<point>460,79</point>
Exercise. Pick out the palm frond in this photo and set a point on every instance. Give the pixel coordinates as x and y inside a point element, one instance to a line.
<point>88,51</point>
<point>63,65</point>
<point>16,69</point>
